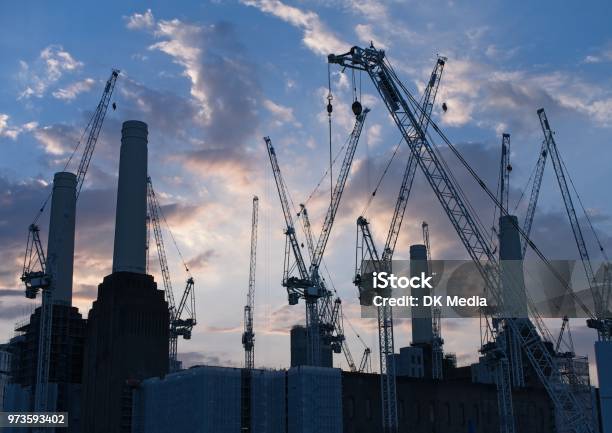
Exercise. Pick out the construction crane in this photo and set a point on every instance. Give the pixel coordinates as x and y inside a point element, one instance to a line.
<point>405,111</point>
<point>365,365</point>
<point>330,314</point>
<point>178,326</point>
<point>535,193</point>
<point>437,340</point>
<point>248,336</point>
<point>36,275</point>
<point>366,251</point>
<point>600,292</point>
<point>308,285</point>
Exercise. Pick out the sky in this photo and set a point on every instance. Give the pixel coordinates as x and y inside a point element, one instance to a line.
<point>211,79</point>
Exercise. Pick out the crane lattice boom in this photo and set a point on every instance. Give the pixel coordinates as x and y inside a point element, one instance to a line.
<point>396,97</point>
<point>248,336</point>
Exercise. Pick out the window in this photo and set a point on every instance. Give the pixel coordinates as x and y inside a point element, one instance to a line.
<point>462,410</point>
<point>448,413</point>
<point>401,409</point>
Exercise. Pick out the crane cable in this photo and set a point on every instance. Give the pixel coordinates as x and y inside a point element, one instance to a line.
<point>70,158</point>
<point>484,187</point>
<point>178,250</point>
<point>330,108</point>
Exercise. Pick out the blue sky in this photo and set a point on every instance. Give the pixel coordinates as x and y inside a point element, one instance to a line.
<point>212,79</point>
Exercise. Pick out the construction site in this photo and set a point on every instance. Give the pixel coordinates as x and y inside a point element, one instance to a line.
<point>117,368</point>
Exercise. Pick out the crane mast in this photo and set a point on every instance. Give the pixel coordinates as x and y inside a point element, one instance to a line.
<point>248,336</point>
<point>36,276</point>
<point>535,193</point>
<point>178,326</point>
<point>297,287</point>
<point>366,250</point>
<point>438,341</point>
<point>602,324</point>
<point>322,316</point>
<point>395,96</point>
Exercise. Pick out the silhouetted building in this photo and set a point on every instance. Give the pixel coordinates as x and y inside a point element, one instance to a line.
<point>127,326</point>
<point>446,406</point>
<point>65,368</point>
<point>127,340</point>
<point>299,346</point>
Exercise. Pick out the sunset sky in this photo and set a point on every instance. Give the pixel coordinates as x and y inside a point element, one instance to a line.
<point>211,79</point>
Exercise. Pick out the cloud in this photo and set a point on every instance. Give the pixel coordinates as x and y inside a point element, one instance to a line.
<point>13,132</point>
<point>604,55</point>
<point>202,260</point>
<point>223,87</point>
<point>73,90</point>
<point>57,139</point>
<point>50,66</point>
<point>316,36</point>
<point>282,113</point>
<point>140,21</point>
<point>191,359</point>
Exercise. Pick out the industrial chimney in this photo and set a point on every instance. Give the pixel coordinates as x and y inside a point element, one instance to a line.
<point>60,244</point>
<point>130,223</point>
<point>422,331</point>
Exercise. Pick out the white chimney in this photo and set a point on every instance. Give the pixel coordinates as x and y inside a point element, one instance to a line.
<point>130,223</point>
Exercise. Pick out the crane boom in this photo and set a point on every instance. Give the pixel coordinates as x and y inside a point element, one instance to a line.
<point>248,336</point>
<point>338,190</point>
<point>551,146</point>
<point>96,125</point>
<point>178,326</point>
<point>369,252</point>
<point>395,96</point>
<point>427,102</point>
<point>535,193</point>
<point>321,315</point>
<point>36,280</point>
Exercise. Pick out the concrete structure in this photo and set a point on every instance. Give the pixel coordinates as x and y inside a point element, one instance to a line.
<point>409,362</point>
<point>314,400</point>
<point>449,406</point>
<point>127,326</point>
<point>422,332</point>
<point>60,245</point>
<point>268,401</point>
<point>66,364</point>
<point>603,354</point>
<point>201,399</point>
<point>510,255</point>
<point>298,342</point>
<point>208,399</point>
<point>129,253</point>
<point>5,369</point>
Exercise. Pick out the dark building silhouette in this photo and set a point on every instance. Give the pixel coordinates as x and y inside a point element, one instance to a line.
<point>66,362</point>
<point>454,405</point>
<point>127,340</point>
<point>127,326</point>
<point>299,344</point>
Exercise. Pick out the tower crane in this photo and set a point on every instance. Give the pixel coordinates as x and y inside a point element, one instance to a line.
<point>308,285</point>
<point>600,291</point>
<point>535,193</point>
<point>248,336</point>
<point>37,275</point>
<point>331,316</point>
<point>178,325</point>
<point>437,341</point>
<point>405,111</point>
<point>366,250</point>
